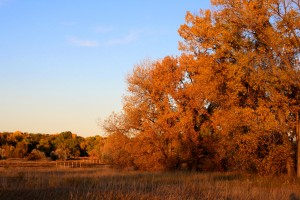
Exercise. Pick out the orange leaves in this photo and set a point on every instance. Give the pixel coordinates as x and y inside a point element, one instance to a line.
<point>233,121</point>
<point>198,33</point>
<point>236,83</point>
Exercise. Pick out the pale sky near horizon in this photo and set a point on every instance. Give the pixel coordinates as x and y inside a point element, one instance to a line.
<point>63,63</point>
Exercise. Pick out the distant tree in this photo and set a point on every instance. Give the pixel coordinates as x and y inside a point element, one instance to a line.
<point>69,143</point>
<point>94,146</point>
<point>45,145</point>
<point>21,149</point>
<point>7,151</point>
<point>59,154</point>
<point>36,155</point>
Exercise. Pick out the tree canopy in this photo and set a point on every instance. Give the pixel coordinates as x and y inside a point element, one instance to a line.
<point>229,101</point>
<point>65,145</point>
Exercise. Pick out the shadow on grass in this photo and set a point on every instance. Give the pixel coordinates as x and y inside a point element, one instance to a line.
<point>32,194</point>
<point>293,196</point>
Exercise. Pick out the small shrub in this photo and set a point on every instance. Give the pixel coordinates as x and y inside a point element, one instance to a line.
<point>36,155</point>
<point>59,154</point>
<point>53,155</point>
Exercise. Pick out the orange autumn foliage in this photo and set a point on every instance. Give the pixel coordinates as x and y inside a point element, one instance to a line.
<point>229,101</point>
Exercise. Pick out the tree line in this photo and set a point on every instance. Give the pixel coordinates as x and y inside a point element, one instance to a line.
<point>229,101</point>
<point>62,146</point>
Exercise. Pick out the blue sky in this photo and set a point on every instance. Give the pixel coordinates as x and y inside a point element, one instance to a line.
<point>63,63</point>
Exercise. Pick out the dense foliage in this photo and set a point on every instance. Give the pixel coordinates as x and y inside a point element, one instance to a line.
<point>230,101</point>
<point>60,146</point>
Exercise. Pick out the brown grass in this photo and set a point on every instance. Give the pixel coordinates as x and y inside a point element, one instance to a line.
<point>106,183</point>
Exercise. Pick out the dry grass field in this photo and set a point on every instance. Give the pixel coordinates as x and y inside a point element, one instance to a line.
<point>102,182</point>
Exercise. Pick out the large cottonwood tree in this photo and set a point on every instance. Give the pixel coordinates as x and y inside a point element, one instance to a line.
<point>253,52</point>
<point>232,96</point>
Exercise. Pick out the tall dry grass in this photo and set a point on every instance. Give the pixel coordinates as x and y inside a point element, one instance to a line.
<point>106,183</point>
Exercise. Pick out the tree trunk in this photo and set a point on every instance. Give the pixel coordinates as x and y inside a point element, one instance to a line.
<point>290,166</point>
<point>298,146</point>
<point>290,162</point>
<point>298,158</point>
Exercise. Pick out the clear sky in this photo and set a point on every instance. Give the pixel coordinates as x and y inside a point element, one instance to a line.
<point>63,63</point>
